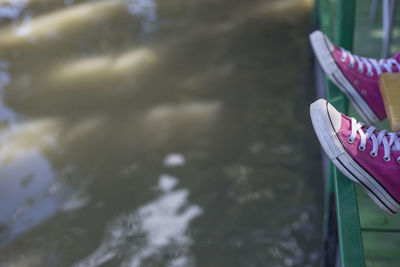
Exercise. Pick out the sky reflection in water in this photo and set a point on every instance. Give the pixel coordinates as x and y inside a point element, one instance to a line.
<point>25,175</point>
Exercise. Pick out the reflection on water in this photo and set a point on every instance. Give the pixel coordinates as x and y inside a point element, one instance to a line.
<point>25,173</point>
<point>6,114</point>
<point>156,227</point>
<point>146,10</point>
<point>11,9</point>
<point>103,68</point>
<point>174,159</point>
<point>24,183</point>
<point>156,133</point>
<point>48,26</point>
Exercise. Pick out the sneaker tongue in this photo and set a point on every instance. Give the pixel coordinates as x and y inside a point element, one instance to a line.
<point>397,56</point>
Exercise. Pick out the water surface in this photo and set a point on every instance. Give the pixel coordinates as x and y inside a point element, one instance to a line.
<point>157,133</point>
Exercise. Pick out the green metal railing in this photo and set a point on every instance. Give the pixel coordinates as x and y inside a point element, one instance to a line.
<point>343,190</point>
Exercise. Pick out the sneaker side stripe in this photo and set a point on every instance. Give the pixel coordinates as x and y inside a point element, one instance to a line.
<point>361,182</point>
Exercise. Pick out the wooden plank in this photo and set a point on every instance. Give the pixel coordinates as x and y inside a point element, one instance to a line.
<point>389,84</point>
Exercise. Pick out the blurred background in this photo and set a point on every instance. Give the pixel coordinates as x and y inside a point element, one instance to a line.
<point>157,133</point>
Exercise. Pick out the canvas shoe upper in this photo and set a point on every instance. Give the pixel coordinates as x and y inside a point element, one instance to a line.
<point>357,77</point>
<point>369,157</point>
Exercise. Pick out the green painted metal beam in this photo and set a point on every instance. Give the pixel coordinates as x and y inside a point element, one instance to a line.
<point>329,231</point>
<point>350,241</point>
<point>325,18</point>
<point>345,23</point>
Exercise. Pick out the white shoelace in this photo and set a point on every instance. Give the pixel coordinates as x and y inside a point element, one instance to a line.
<point>370,63</point>
<point>389,140</point>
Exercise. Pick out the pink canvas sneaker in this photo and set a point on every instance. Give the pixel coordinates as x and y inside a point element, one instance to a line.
<point>368,157</point>
<point>356,76</point>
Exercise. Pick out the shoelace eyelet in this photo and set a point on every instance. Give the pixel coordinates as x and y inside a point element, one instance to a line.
<point>386,159</point>
<point>360,70</point>
<point>343,59</point>
<point>373,154</point>
<point>361,148</point>
<point>351,65</point>
<point>398,160</point>
<point>370,74</point>
<point>350,140</point>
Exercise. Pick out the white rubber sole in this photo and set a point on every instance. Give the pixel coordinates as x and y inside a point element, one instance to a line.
<point>344,162</point>
<point>321,47</point>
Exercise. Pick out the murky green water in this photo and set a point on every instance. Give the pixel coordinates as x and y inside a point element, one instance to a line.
<point>157,133</point>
